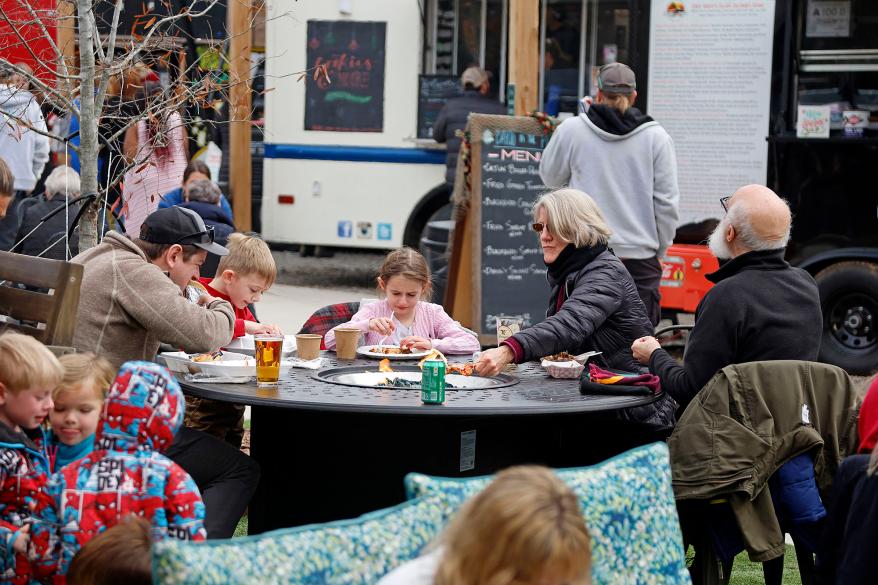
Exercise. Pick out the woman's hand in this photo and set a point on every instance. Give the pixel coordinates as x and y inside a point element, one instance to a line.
<point>493,360</point>
<point>381,325</point>
<point>415,342</point>
<point>254,328</point>
<point>643,347</point>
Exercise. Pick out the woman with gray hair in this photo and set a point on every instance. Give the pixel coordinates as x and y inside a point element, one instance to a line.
<point>204,197</point>
<point>593,304</point>
<point>47,240</point>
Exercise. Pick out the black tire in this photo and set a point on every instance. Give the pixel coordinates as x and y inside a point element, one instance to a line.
<point>435,204</point>
<point>849,299</point>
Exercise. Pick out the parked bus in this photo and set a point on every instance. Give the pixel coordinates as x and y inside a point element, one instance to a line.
<point>730,80</point>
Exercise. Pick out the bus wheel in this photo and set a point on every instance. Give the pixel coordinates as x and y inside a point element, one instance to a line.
<point>849,298</point>
<point>434,205</point>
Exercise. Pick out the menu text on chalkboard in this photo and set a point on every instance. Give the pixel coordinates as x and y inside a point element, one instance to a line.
<point>513,274</point>
<point>433,92</point>
<point>352,99</point>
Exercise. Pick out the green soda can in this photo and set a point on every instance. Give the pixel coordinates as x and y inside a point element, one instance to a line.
<point>433,382</point>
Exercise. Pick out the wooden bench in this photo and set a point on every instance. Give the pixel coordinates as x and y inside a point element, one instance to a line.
<point>48,316</point>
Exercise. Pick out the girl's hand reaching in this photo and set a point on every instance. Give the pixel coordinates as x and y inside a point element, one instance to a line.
<point>415,342</point>
<point>381,325</point>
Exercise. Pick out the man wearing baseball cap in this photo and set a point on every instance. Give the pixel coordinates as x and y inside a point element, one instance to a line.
<point>131,299</point>
<point>453,116</point>
<point>626,161</point>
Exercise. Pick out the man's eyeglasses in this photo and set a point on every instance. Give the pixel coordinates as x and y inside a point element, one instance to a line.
<point>724,201</point>
<point>538,227</point>
<point>204,237</point>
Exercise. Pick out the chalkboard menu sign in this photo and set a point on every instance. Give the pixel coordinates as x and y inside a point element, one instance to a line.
<point>513,272</point>
<point>497,263</point>
<point>433,92</point>
<point>352,99</point>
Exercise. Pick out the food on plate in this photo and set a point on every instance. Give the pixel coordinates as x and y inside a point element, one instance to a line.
<point>466,369</point>
<point>216,356</point>
<point>389,350</point>
<point>560,357</point>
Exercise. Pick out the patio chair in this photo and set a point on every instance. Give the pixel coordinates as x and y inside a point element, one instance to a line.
<point>325,318</point>
<point>827,406</point>
<point>51,316</point>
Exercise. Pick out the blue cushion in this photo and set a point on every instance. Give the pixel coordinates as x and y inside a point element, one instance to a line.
<point>350,552</point>
<point>628,506</point>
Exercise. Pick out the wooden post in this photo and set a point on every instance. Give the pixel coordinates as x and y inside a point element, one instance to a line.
<point>524,53</point>
<point>66,35</point>
<point>238,151</point>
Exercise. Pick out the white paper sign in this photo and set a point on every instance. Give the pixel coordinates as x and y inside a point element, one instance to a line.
<point>828,18</point>
<point>709,87</point>
<point>813,122</point>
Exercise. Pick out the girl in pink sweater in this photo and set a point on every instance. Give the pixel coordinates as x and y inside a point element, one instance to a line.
<point>403,316</point>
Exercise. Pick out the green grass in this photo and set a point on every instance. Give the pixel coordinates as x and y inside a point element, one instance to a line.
<point>746,573</point>
<point>241,529</point>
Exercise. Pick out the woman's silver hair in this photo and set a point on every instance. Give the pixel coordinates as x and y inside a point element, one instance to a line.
<point>739,216</point>
<point>61,180</point>
<point>203,190</point>
<point>574,217</point>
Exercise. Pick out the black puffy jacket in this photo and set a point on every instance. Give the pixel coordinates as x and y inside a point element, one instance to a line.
<point>599,310</point>
<point>453,117</point>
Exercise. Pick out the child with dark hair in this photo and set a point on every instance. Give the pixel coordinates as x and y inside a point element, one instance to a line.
<point>125,474</point>
<point>121,554</point>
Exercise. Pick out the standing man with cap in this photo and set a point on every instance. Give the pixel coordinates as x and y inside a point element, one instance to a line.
<point>131,299</point>
<point>454,114</point>
<point>626,161</point>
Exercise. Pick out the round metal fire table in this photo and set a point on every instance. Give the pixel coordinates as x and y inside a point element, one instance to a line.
<point>336,450</point>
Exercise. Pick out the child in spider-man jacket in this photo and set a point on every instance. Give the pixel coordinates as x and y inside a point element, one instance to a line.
<point>28,374</point>
<point>125,474</point>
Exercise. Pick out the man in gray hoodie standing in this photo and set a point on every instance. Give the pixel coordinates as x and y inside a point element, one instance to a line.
<point>626,162</point>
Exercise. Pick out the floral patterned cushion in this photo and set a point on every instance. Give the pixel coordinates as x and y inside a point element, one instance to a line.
<point>349,552</point>
<point>628,506</point>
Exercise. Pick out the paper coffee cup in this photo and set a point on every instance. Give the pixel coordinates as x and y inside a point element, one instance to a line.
<point>308,346</point>
<point>346,343</point>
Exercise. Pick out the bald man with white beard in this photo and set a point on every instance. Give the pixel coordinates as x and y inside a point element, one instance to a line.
<point>760,309</point>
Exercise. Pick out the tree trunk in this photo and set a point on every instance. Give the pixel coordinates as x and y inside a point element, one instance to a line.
<point>88,125</point>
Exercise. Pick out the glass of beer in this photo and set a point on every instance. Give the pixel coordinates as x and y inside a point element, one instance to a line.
<point>268,354</point>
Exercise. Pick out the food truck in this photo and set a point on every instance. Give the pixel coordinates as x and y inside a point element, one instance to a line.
<point>778,92</point>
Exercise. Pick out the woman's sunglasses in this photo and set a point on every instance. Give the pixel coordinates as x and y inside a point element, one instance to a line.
<point>538,227</point>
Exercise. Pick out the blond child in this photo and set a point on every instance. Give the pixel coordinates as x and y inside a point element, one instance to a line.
<point>241,277</point>
<point>405,317</point>
<point>28,374</point>
<point>78,400</point>
<point>525,528</point>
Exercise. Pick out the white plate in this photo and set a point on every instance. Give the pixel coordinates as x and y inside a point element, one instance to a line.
<point>365,350</point>
<point>233,365</point>
<point>246,345</point>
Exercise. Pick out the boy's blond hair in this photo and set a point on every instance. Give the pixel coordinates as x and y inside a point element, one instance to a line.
<point>248,255</point>
<point>25,363</point>
<point>80,368</point>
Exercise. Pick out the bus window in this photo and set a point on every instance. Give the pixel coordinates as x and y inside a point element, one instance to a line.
<point>465,33</point>
<point>562,56</point>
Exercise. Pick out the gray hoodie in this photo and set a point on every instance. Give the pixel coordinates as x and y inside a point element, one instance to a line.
<point>628,165</point>
<point>22,147</point>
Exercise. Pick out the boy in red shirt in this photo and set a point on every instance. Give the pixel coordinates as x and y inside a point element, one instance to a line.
<point>241,277</point>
